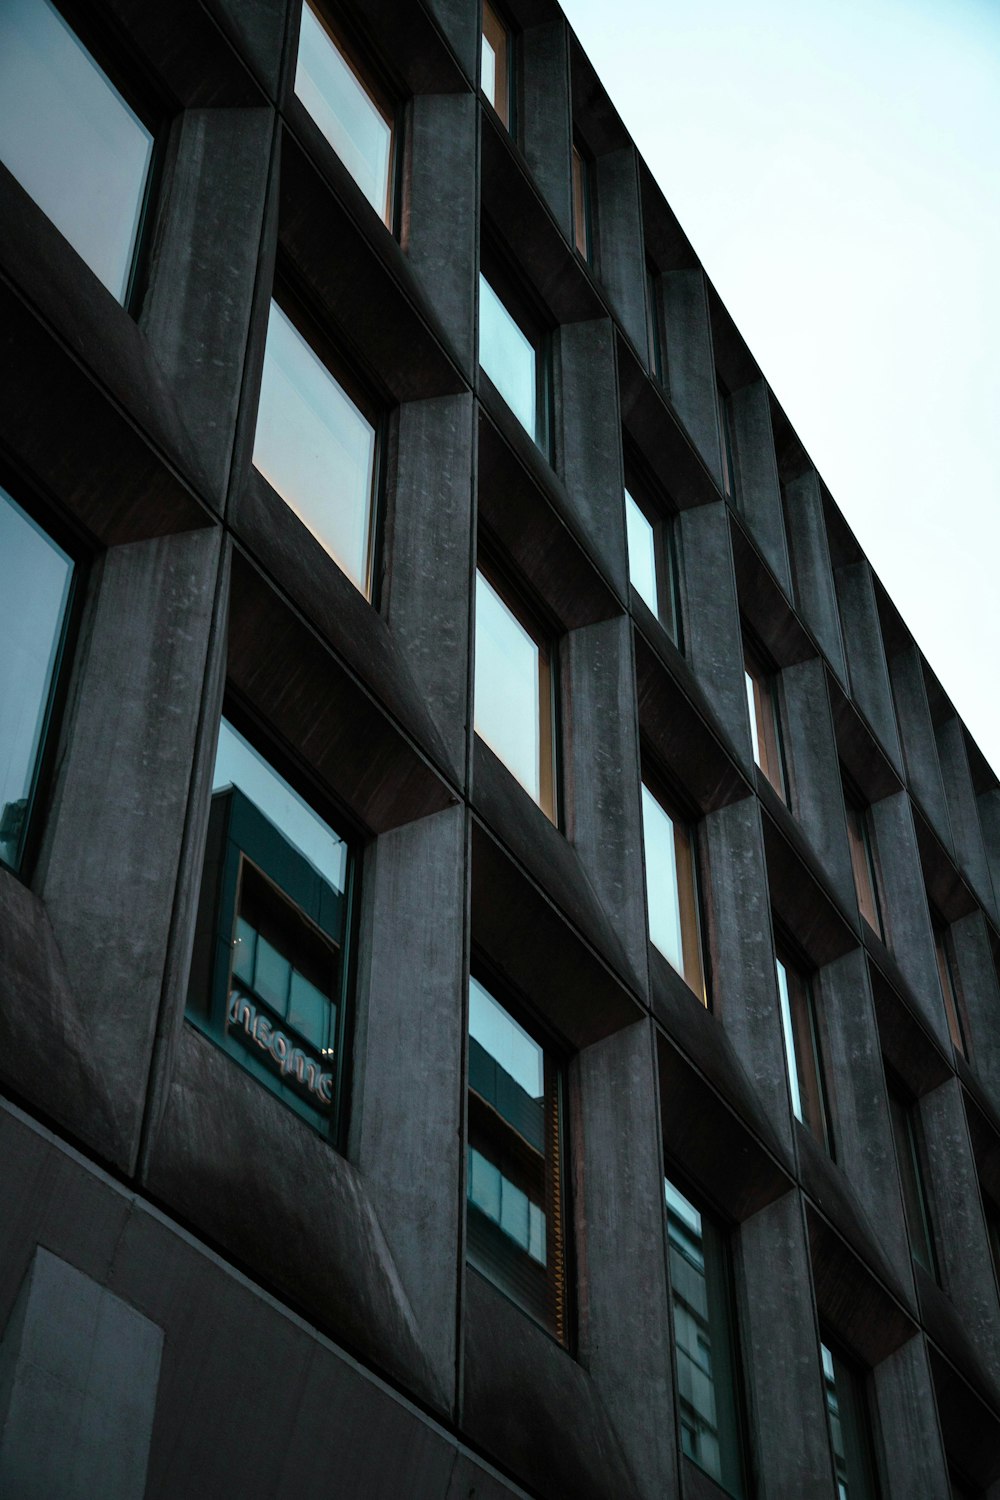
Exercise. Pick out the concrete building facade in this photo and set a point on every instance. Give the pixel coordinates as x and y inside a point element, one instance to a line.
<point>234,1266</point>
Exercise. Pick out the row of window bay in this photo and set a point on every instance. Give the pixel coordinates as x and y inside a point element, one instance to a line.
<point>270,973</point>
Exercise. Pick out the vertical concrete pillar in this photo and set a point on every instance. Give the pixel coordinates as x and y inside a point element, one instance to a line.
<point>589,440</point>
<point>122,792</point>
<point>781,1350</point>
<point>197,313</point>
<point>621,256</point>
<point>970,848</point>
<point>907,1416</point>
<point>758,493</point>
<point>812,570</point>
<point>441,212</point>
<point>862,1133</point>
<point>409,1048</point>
<point>546,127</point>
<point>744,987</point>
<point>693,386</point>
<point>78,1377</point>
<point>603,776</point>
<point>916,733</point>
<point>622,1284</point>
<point>712,634</point>
<point>427,609</point>
<point>905,912</point>
<point>814,771</point>
<point>869,676</point>
<point>961,1244</point>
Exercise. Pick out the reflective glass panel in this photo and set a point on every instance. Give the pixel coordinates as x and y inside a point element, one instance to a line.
<point>70,139</point>
<point>508,357</point>
<point>789,1035</point>
<point>671,892</point>
<point>703,1342</point>
<point>848,1427</point>
<point>494,70</point>
<point>238,764</point>
<point>316,448</point>
<point>906,1135</point>
<point>356,127</point>
<point>641,553</point>
<point>508,688</point>
<point>35,579</point>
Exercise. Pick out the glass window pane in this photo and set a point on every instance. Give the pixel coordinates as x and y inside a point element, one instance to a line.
<point>494,77</point>
<point>789,1035</point>
<point>238,764</point>
<point>70,139</point>
<point>342,107</point>
<point>35,578</point>
<point>641,553</point>
<point>507,1043</point>
<point>508,357</point>
<point>507,688</point>
<point>751,688</point>
<point>848,1427</point>
<point>662,889</point>
<point>316,448</point>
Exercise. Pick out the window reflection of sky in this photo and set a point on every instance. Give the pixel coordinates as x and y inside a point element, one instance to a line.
<point>315,448</point>
<point>661,881</point>
<point>507,688</point>
<point>507,356</point>
<point>508,1043</point>
<point>70,139</point>
<point>641,553</point>
<point>35,579</point>
<point>238,764</point>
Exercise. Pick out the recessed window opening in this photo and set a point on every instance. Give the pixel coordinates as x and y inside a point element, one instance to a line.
<point>516,1230</point>
<point>802,1050</point>
<point>672,891</point>
<point>765,723</point>
<point>514,694</point>
<point>652,558</point>
<point>36,583</point>
<point>908,1140</point>
<point>349,111</point>
<point>513,355</point>
<point>860,837</point>
<point>495,71</point>
<point>849,1429</point>
<point>582,204</point>
<point>316,446</point>
<point>944,950</point>
<point>72,140</point>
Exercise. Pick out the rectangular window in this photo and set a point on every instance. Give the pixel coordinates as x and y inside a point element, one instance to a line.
<point>514,693</point>
<point>654,333</point>
<point>944,949</point>
<point>672,891</point>
<point>316,447</point>
<point>72,140</point>
<point>908,1140</point>
<point>349,111</point>
<point>850,1433</point>
<point>765,724</point>
<point>495,71</point>
<point>859,834</point>
<point>704,1342</point>
<point>652,564</point>
<point>802,1053</point>
<point>514,358</point>
<point>268,977</point>
<point>36,580</point>
<point>725,441</point>
<point>582,234</point>
<point>515,1225</point>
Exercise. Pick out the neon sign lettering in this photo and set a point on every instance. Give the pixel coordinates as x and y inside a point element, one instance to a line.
<point>287,1056</point>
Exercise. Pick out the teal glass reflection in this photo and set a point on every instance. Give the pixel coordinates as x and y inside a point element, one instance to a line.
<point>703,1342</point>
<point>71,140</point>
<point>345,112</point>
<point>662,887</point>
<point>316,448</point>
<point>508,357</point>
<point>848,1427</point>
<point>641,553</point>
<point>507,688</point>
<point>35,577</point>
<point>238,764</point>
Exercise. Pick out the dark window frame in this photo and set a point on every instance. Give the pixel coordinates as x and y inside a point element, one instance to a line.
<point>681,811</point>
<point>582,182</point>
<point>656,341</point>
<point>559,1320</point>
<point>525,308</point>
<point>727,444</point>
<point>374,81</point>
<point>853,1396</point>
<point>209,1012</point>
<point>292,296</point>
<point>949,977</point>
<point>649,496</point>
<point>767,713</point>
<point>864,854</point>
<point>726,1300</point>
<point>911,1165</point>
<point>532,616</point>
<point>42,510</point>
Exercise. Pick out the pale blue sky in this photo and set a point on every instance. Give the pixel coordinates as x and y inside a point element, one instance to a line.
<point>837,167</point>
